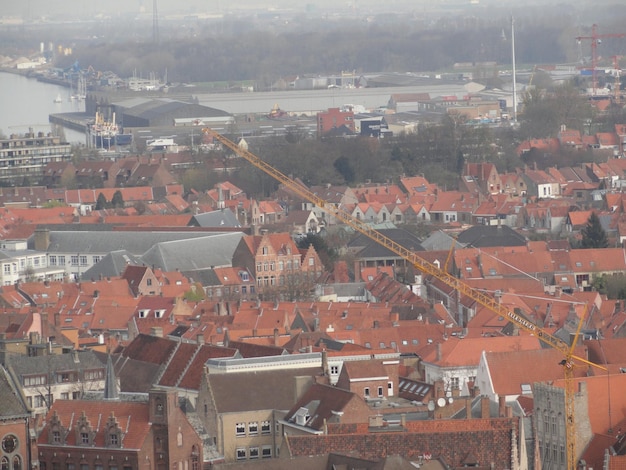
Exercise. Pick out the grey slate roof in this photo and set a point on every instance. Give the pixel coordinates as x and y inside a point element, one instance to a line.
<point>12,404</point>
<point>439,241</point>
<point>23,365</point>
<point>206,277</point>
<point>373,249</point>
<point>193,254</point>
<point>484,235</point>
<point>104,242</point>
<point>219,218</point>
<point>260,390</point>
<point>112,265</point>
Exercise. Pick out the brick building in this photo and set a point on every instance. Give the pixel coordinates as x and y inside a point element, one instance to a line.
<point>15,449</point>
<point>119,435</point>
<point>334,118</point>
<point>276,261</point>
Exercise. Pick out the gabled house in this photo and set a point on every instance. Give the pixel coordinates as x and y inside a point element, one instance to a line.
<point>486,176</point>
<point>274,259</point>
<point>453,206</point>
<point>541,184</point>
<point>372,380</point>
<point>141,280</point>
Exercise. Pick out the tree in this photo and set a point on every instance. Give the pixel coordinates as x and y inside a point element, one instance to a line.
<point>101,202</point>
<point>117,201</point>
<point>593,234</point>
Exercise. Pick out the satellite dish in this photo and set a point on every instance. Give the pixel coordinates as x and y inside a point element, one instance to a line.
<point>431,405</point>
<point>450,400</point>
<point>441,402</point>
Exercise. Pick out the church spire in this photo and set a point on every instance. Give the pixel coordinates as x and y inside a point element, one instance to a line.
<point>111,391</point>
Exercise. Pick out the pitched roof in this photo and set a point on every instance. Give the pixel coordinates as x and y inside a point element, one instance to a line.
<point>273,389</point>
<point>511,369</point>
<point>132,418</point>
<point>322,403</point>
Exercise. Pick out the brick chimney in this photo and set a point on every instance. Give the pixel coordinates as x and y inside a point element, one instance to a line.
<point>468,408</point>
<point>485,412</point>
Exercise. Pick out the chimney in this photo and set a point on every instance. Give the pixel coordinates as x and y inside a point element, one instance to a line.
<point>501,406</point>
<point>275,336</point>
<point>156,331</point>
<point>200,339</point>
<point>485,412</point>
<point>42,239</point>
<point>325,367</point>
<point>357,271</point>
<point>438,352</point>
<point>468,408</point>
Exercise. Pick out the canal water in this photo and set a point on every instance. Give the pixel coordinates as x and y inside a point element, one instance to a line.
<point>26,103</point>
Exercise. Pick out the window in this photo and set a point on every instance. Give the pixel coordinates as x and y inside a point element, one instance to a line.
<point>254,452</point>
<point>17,463</point>
<point>74,260</point>
<point>334,370</point>
<point>266,428</point>
<point>7,269</point>
<point>454,383</point>
<point>311,261</point>
<point>253,428</point>
<point>240,429</point>
<point>84,438</point>
<point>264,250</point>
<point>65,396</point>
<point>61,260</point>
<point>281,266</point>
<point>380,391</point>
<point>149,282</point>
<point>34,380</point>
<point>266,452</point>
<point>53,260</point>
<point>265,266</point>
<point>65,377</point>
<point>96,259</point>
<point>366,392</point>
<point>241,453</point>
<point>56,436</point>
<point>272,266</point>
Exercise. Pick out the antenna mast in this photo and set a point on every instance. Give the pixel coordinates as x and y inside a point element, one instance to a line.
<point>514,79</point>
<point>155,23</point>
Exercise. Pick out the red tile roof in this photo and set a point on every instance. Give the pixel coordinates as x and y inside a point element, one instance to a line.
<point>132,418</point>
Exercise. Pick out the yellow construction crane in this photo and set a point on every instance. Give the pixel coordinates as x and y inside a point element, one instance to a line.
<point>451,281</point>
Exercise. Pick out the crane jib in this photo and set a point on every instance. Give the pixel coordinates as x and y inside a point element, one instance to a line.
<point>521,321</point>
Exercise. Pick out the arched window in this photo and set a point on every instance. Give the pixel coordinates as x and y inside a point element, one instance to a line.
<point>5,463</point>
<point>17,463</point>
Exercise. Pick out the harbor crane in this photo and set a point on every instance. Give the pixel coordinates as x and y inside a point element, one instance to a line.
<point>596,39</point>
<point>488,301</point>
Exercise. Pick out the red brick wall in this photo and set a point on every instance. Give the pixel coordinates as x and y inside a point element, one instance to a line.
<point>489,441</point>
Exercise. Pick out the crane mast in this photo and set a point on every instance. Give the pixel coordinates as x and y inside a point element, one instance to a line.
<point>428,268</point>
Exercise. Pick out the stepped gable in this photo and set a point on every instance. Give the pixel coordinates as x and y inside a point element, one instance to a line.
<point>132,417</point>
<point>149,348</point>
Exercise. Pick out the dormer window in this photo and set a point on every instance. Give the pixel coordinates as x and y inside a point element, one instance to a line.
<point>143,313</point>
<point>159,313</point>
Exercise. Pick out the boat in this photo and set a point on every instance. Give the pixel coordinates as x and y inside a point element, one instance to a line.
<point>58,98</point>
<point>106,134</point>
